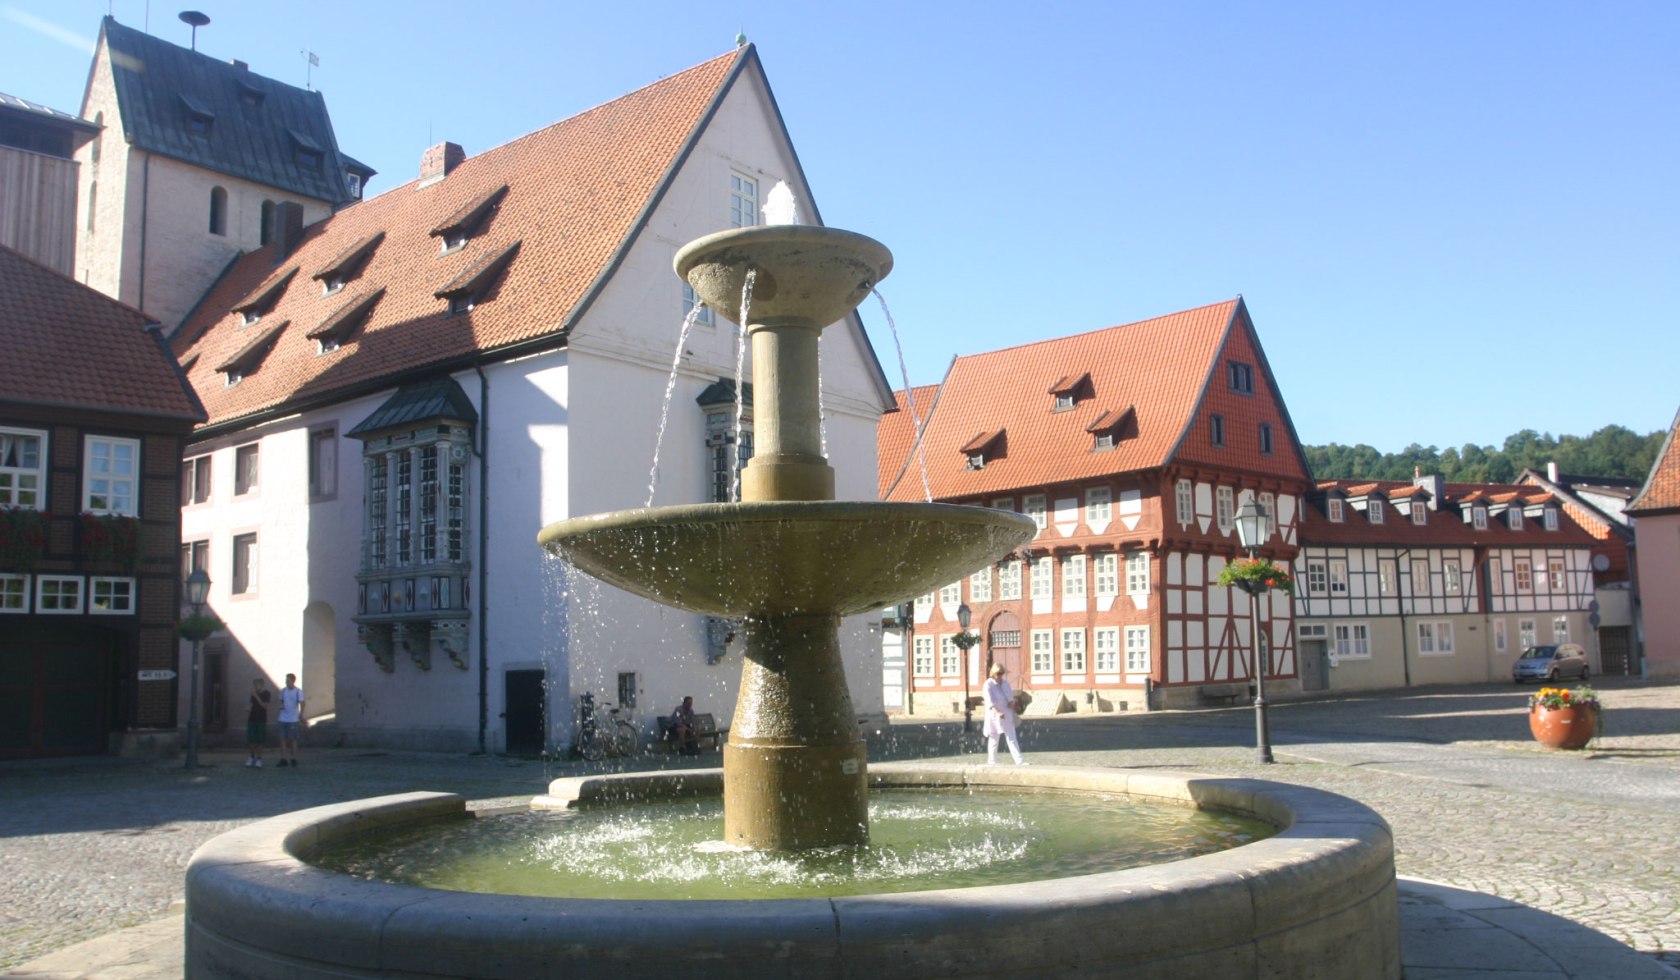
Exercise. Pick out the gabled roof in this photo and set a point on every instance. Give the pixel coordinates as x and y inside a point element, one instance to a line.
<point>70,346</point>
<point>1661,493</point>
<point>1168,370</point>
<point>579,192</point>
<point>1445,527</point>
<point>158,84</point>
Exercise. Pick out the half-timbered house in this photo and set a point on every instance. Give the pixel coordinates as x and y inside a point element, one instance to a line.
<point>1403,584</point>
<point>1131,447</point>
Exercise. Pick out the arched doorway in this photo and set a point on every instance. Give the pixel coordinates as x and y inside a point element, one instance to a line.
<point>1003,644</point>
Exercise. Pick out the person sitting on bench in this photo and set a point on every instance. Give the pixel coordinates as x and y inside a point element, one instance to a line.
<point>683,733</point>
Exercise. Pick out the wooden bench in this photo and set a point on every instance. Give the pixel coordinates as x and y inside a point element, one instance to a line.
<point>1228,692</point>
<point>705,728</point>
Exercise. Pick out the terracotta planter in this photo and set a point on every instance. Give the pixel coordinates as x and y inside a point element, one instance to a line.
<point>1563,728</point>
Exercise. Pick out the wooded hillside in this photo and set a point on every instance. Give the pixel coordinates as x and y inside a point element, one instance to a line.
<point>1612,451</point>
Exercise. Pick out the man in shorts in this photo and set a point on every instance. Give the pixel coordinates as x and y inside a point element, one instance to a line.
<point>256,724</point>
<point>291,715</point>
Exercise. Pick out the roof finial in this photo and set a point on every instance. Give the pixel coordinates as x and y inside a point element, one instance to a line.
<point>741,38</point>
<point>197,20</point>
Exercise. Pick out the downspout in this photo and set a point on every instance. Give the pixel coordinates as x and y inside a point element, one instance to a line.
<point>1405,648</point>
<point>483,552</point>
<point>145,201</point>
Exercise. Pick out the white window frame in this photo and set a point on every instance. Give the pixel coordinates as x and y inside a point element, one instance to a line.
<point>1035,506</point>
<point>1043,577</point>
<point>922,605</point>
<point>1522,571</point>
<point>1225,507</point>
<point>1318,577</point>
<point>690,300</point>
<point>1184,502</point>
<point>244,553</point>
<point>1551,518</point>
<point>743,200</point>
<point>1009,581</point>
<point>951,595</point>
<point>14,593</point>
<point>950,658</point>
<point>13,493</point>
<point>252,481</point>
<point>1073,652</point>
<point>1105,649</point>
<point>323,462</point>
<point>1137,573</point>
<point>1560,629</point>
<point>196,473</point>
<point>1338,577</point>
<point>1138,652</point>
<point>50,595</point>
<point>1333,510</point>
<point>1528,633</point>
<point>1374,511</point>
<point>1515,519</point>
<point>1421,565</point>
<point>1105,569</point>
<point>1557,574</point>
<point>1478,518</point>
<point>1420,513</point>
<point>921,656</point>
<point>102,478</point>
<point>129,597</point>
<point>1043,651</point>
<point>1500,643</point>
<point>1099,506</point>
<point>1073,577</point>
<point>980,585</point>
<point>1352,641</point>
<point>1388,576</point>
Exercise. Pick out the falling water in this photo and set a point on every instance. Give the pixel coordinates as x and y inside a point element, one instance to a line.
<point>740,368</point>
<point>665,409</point>
<point>822,408</point>
<point>909,396</point>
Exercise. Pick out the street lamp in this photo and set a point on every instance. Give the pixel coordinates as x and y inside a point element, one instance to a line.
<point>1254,526</point>
<point>198,589</point>
<point>965,641</point>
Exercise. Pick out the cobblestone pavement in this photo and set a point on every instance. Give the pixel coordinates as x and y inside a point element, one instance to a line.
<point>94,845</point>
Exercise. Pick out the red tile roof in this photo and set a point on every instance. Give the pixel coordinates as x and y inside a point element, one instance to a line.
<point>1661,493</point>
<point>895,438</point>
<point>1445,527</point>
<point>68,345</point>
<point>1168,370</point>
<point>576,193</point>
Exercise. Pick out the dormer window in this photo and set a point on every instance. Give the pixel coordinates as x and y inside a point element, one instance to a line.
<point>472,286</point>
<point>306,153</point>
<point>263,299</point>
<point>1551,519</point>
<point>1420,513</point>
<point>353,184</point>
<point>1070,390</point>
<point>468,220</point>
<point>1111,427</point>
<point>1374,511</point>
<point>248,358</point>
<point>1241,377</point>
<point>1216,430</point>
<point>1333,510</point>
<point>347,263</point>
<point>250,96</point>
<point>199,119</point>
<point>1478,518</point>
<point>330,333</point>
<point>983,448</point>
<point>1514,518</point>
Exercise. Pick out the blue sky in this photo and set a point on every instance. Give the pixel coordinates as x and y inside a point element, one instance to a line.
<point>1450,221</point>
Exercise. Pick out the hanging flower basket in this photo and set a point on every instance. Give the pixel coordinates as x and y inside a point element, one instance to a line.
<point>23,538</point>
<point>111,540</point>
<point>1255,575</point>
<point>199,627</point>
<point>1563,719</point>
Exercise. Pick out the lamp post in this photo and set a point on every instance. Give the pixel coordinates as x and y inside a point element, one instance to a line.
<point>1253,528</point>
<point>965,641</point>
<point>198,589</point>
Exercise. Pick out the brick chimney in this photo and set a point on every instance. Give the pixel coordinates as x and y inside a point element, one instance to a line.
<point>1434,483</point>
<point>1552,471</point>
<point>288,229</point>
<point>439,161</point>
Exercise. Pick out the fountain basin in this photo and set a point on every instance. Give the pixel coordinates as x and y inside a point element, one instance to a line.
<point>1317,899</point>
<point>839,557</point>
<point>807,274</point>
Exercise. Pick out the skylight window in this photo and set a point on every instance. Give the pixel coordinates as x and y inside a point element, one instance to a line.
<point>1070,390</point>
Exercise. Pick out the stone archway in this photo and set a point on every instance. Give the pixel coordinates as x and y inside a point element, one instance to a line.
<point>1003,644</point>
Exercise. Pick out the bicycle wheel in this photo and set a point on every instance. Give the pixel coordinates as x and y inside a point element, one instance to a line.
<point>592,746</point>
<point>626,739</point>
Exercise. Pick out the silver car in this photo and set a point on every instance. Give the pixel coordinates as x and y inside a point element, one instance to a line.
<point>1550,663</point>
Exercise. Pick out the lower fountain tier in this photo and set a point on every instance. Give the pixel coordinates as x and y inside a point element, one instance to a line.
<point>836,557</point>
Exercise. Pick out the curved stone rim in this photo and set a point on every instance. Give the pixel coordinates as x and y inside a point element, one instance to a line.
<point>1320,895</point>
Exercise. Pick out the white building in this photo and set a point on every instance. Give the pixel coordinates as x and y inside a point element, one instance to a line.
<point>402,401</point>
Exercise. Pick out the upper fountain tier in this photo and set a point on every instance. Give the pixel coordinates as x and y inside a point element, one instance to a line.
<point>807,274</point>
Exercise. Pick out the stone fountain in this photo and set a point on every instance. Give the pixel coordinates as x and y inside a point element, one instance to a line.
<point>788,560</point>
<point>1319,898</point>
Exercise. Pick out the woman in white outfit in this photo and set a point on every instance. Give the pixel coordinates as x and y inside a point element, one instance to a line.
<point>1000,716</point>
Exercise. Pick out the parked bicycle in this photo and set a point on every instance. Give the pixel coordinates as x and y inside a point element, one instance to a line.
<point>605,730</point>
